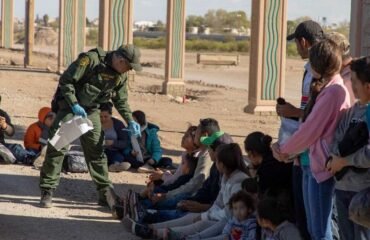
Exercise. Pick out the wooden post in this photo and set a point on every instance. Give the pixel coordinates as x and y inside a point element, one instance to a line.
<point>360,28</point>
<point>30,31</point>
<point>175,49</point>
<point>268,45</point>
<point>7,22</point>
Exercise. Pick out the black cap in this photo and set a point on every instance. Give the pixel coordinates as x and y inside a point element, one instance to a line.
<point>309,30</point>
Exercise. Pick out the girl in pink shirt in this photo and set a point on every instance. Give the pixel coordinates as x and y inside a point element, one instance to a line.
<point>328,99</point>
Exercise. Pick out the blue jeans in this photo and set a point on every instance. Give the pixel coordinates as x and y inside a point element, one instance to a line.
<point>300,214</point>
<point>318,203</point>
<point>114,156</point>
<point>167,204</point>
<point>22,155</point>
<point>157,216</point>
<point>348,229</point>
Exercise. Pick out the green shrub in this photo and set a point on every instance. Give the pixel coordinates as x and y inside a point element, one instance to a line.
<point>208,45</point>
<point>291,49</point>
<point>92,37</point>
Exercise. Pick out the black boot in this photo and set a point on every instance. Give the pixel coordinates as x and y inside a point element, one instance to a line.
<point>46,198</point>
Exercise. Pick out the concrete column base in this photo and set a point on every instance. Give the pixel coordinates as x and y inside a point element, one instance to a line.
<point>264,110</point>
<point>174,88</point>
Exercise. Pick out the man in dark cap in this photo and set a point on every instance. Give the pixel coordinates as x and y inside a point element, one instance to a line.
<point>95,77</point>
<point>305,35</point>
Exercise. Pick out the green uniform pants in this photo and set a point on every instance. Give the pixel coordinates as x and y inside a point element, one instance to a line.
<point>92,145</point>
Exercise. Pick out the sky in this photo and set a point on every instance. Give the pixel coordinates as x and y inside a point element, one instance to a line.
<point>153,10</point>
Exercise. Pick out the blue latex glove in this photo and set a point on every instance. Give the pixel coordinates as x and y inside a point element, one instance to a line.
<point>78,110</point>
<point>134,128</point>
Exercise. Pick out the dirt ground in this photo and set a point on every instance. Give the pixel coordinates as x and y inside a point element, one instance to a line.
<point>76,214</point>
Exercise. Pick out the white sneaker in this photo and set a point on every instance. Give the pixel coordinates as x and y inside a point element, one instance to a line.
<point>119,167</point>
<point>124,166</point>
<point>146,168</point>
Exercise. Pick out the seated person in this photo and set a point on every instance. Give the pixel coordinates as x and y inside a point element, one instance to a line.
<point>150,147</point>
<point>187,172</point>
<point>37,134</point>
<point>187,143</point>
<point>273,219</point>
<point>116,140</point>
<point>11,153</point>
<point>269,173</point>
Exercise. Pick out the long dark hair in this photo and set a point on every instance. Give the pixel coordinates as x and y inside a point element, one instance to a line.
<point>230,155</point>
<point>258,142</point>
<point>317,85</point>
<point>326,59</point>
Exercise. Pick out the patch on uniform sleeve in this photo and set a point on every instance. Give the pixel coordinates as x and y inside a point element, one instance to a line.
<point>84,61</point>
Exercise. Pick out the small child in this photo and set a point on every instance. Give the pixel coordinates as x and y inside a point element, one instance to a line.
<point>243,223</point>
<point>150,147</point>
<point>37,133</point>
<point>187,172</point>
<point>271,217</point>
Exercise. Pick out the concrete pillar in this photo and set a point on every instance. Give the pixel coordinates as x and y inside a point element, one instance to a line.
<point>72,21</point>
<point>175,50</point>
<point>115,23</point>
<point>7,23</point>
<point>30,31</point>
<point>267,64</point>
<point>360,28</point>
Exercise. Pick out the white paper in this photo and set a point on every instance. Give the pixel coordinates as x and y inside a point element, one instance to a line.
<point>136,148</point>
<point>70,131</point>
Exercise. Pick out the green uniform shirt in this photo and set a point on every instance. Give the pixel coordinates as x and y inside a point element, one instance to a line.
<point>89,82</point>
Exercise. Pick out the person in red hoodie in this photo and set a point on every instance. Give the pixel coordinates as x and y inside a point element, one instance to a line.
<point>37,133</point>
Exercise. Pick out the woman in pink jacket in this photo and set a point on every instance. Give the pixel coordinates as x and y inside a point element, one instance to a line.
<point>328,99</point>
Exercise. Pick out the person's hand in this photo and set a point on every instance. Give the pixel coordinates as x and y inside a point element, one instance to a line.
<point>78,110</point>
<point>3,124</point>
<point>108,142</point>
<point>134,153</point>
<point>336,164</point>
<point>157,175</point>
<point>157,197</point>
<point>134,128</point>
<point>278,155</point>
<point>288,110</point>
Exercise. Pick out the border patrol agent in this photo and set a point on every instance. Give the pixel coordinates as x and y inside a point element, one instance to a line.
<point>94,78</point>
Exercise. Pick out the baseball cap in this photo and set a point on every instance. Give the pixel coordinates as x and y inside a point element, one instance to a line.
<point>132,54</point>
<point>216,139</point>
<point>308,30</point>
<point>340,40</point>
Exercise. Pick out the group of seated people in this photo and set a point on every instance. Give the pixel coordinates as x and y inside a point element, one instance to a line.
<point>121,153</point>
<point>213,194</point>
<point>223,198</point>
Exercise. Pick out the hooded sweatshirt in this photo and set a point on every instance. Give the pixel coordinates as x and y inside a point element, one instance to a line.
<point>353,181</point>
<point>37,133</point>
<point>317,132</point>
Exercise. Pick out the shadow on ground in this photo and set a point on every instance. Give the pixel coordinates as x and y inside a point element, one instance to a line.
<point>32,228</point>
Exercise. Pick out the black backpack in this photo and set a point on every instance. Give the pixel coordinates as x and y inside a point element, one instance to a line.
<point>356,137</point>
